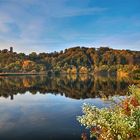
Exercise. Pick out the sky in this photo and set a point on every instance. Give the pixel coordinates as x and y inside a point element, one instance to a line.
<point>53,25</point>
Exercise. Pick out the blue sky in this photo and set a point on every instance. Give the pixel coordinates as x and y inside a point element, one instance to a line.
<point>49,25</point>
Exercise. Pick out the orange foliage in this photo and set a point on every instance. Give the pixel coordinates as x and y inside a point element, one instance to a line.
<point>26,83</point>
<point>26,63</point>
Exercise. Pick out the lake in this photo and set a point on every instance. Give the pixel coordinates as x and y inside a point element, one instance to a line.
<point>45,108</point>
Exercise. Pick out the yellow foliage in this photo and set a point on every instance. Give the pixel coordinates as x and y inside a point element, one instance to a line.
<point>122,74</point>
<point>83,70</point>
<point>83,77</point>
<point>74,70</point>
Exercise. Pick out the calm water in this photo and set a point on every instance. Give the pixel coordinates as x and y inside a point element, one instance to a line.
<point>45,108</point>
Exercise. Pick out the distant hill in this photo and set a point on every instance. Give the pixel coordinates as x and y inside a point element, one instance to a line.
<point>74,60</point>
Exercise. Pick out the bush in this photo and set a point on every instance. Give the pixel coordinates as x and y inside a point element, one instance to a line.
<point>121,122</point>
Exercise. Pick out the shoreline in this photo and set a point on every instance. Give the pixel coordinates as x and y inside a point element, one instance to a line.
<point>53,74</point>
<point>6,74</point>
<point>12,74</point>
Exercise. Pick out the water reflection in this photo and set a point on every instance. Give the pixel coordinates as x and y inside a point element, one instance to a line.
<point>38,111</point>
<point>76,87</point>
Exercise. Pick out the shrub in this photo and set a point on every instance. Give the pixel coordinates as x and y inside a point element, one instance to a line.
<point>120,122</point>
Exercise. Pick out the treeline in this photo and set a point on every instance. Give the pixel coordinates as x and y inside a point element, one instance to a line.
<point>73,60</point>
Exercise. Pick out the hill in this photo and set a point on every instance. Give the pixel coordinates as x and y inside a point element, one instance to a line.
<point>74,60</point>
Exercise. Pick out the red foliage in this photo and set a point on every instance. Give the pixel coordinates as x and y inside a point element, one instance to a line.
<point>134,101</point>
<point>84,136</point>
<point>127,103</point>
<point>95,129</point>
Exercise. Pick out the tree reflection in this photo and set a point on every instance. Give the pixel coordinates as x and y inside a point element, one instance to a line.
<point>72,86</point>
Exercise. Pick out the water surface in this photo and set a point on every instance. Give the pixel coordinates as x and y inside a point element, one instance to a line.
<point>45,108</point>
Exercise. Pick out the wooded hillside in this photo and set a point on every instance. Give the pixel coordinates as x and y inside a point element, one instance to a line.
<point>72,60</point>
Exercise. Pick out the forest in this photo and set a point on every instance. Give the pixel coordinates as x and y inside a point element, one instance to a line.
<point>103,60</point>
